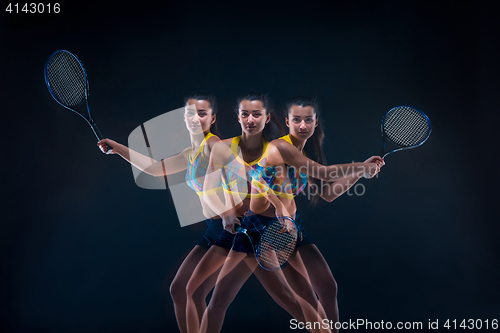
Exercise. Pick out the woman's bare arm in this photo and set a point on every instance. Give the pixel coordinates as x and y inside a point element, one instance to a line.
<point>213,189</point>
<point>167,166</point>
<point>212,185</point>
<point>333,190</point>
<point>281,152</point>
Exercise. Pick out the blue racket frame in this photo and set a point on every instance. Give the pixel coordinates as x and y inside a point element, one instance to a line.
<point>239,228</point>
<point>89,121</point>
<point>402,148</point>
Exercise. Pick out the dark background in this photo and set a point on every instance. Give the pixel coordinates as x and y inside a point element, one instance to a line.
<point>82,248</point>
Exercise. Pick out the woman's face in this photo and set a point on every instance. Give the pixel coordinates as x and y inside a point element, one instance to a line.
<point>198,116</point>
<point>301,121</point>
<point>253,117</point>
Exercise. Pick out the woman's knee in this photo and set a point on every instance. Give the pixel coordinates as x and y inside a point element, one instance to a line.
<point>285,297</point>
<point>191,288</point>
<point>327,288</point>
<point>178,289</point>
<point>197,292</point>
<point>218,305</point>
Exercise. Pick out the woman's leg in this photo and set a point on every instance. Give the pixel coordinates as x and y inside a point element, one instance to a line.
<point>301,303</point>
<point>179,283</point>
<point>296,280</point>
<point>201,281</point>
<point>322,279</point>
<point>277,287</point>
<point>236,270</point>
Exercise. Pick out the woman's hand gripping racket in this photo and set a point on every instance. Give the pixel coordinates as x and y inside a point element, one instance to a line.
<point>276,244</point>
<point>67,83</point>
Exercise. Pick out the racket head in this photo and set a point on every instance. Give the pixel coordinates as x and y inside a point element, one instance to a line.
<point>277,243</point>
<point>406,127</point>
<point>66,80</point>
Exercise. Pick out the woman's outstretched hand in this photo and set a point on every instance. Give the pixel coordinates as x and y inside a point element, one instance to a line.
<point>375,163</point>
<point>107,145</point>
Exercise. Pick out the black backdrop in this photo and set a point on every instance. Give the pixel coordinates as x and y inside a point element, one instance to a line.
<point>82,248</point>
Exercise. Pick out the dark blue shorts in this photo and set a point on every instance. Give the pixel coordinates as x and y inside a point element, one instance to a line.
<point>304,238</point>
<point>214,228</point>
<point>255,223</point>
<point>240,242</point>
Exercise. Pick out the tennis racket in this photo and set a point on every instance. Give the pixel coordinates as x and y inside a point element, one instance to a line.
<point>277,242</point>
<point>405,128</point>
<point>67,82</point>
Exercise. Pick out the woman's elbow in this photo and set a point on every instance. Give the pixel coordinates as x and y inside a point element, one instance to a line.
<point>330,199</point>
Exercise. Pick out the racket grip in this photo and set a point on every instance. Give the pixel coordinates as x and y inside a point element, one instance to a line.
<point>99,136</point>
<point>239,228</point>
<point>109,150</point>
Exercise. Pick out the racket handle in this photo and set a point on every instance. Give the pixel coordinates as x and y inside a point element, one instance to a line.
<point>99,136</point>
<point>239,228</point>
<point>109,150</point>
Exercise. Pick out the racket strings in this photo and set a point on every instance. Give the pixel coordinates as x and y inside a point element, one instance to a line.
<point>69,83</point>
<point>66,79</point>
<point>276,245</point>
<point>406,127</point>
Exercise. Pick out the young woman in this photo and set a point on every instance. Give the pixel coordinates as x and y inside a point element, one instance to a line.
<point>236,157</point>
<point>302,119</point>
<point>236,252</point>
<point>200,121</point>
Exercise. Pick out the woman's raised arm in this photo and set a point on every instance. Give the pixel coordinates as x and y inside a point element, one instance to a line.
<point>167,166</point>
<point>283,152</point>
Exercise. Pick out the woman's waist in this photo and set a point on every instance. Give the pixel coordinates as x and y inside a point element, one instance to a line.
<point>241,208</point>
<point>255,222</point>
<point>290,206</point>
<point>263,207</point>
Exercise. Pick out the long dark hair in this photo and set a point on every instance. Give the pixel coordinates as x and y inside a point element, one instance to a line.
<point>273,129</point>
<point>314,146</point>
<point>204,96</point>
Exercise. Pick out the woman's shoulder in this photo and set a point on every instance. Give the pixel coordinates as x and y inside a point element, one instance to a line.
<point>276,149</point>
<point>213,138</point>
<point>285,152</point>
<point>223,142</point>
<point>185,153</point>
<point>281,144</point>
<point>229,141</point>
<point>222,147</point>
<point>211,141</point>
